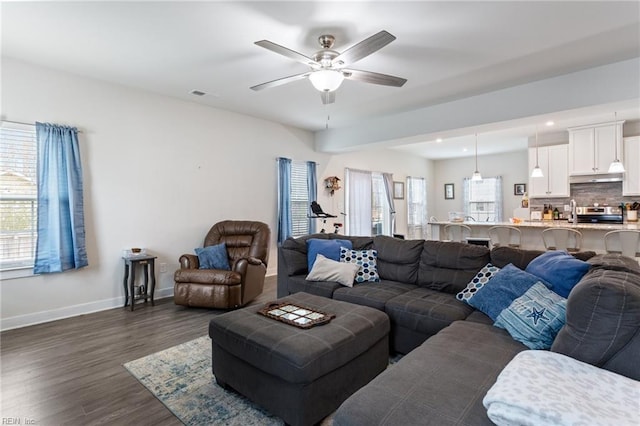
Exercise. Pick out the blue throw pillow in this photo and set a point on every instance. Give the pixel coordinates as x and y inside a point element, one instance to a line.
<point>328,248</point>
<point>535,318</point>
<point>503,288</point>
<point>213,257</point>
<point>561,270</point>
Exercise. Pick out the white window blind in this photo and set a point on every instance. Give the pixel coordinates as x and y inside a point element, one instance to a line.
<point>18,196</point>
<point>299,199</point>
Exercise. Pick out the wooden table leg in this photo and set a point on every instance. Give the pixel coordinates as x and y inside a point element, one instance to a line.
<point>153,280</point>
<point>132,281</point>
<point>126,279</point>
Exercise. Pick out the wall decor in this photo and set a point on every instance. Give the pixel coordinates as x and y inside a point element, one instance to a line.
<point>398,190</point>
<point>519,188</point>
<point>449,191</point>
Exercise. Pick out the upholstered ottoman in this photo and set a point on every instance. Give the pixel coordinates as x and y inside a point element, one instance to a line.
<point>300,375</point>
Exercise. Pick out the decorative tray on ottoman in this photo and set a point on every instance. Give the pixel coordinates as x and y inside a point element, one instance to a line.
<point>296,315</point>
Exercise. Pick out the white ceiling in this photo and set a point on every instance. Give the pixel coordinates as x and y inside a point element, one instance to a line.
<point>446,50</point>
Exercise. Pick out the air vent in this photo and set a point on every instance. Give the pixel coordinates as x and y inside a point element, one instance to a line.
<point>197,93</point>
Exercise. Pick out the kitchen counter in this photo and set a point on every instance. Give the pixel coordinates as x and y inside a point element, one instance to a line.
<point>550,224</point>
<point>531,238</point>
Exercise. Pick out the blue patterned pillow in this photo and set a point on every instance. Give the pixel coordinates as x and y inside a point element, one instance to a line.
<point>366,259</point>
<point>506,285</point>
<point>479,281</point>
<point>535,318</point>
<point>213,257</point>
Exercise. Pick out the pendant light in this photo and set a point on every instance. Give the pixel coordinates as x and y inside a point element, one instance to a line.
<point>476,175</point>
<point>537,171</point>
<point>616,166</point>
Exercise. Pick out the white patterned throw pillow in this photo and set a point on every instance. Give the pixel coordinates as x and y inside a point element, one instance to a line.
<point>367,260</point>
<point>479,281</point>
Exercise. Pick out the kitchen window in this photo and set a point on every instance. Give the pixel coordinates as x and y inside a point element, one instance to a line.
<point>483,199</point>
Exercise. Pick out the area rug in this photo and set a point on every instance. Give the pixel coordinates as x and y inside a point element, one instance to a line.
<point>181,378</point>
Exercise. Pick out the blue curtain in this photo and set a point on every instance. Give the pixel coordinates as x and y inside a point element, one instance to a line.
<point>284,199</point>
<point>61,236</point>
<point>312,188</point>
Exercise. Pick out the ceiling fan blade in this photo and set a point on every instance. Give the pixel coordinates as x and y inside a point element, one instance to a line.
<point>280,81</point>
<point>374,77</point>
<point>365,48</point>
<point>291,54</point>
<point>328,97</point>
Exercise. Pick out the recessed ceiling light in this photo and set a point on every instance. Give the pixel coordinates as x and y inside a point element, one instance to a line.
<point>549,123</point>
<point>439,140</point>
<point>197,92</point>
<point>464,149</point>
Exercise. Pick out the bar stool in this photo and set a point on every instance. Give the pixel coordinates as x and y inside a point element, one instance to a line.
<point>562,239</point>
<point>626,242</point>
<point>505,236</point>
<point>456,232</point>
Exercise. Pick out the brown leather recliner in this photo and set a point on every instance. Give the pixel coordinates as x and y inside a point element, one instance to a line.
<point>248,250</point>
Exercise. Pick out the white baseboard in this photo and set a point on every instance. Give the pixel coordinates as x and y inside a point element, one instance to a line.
<point>72,311</point>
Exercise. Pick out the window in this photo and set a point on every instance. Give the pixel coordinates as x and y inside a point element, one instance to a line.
<point>299,199</point>
<point>483,199</point>
<point>18,196</point>
<point>416,209</point>
<point>380,217</point>
<point>367,204</point>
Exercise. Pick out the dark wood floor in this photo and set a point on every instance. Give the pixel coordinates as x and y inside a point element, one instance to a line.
<point>70,372</point>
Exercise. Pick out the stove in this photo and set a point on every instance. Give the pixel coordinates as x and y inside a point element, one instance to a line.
<point>599,214</point>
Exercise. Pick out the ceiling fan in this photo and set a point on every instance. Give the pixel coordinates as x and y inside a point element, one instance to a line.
<point>329,68</point>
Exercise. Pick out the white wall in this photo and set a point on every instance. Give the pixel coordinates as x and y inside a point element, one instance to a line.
<point>158,173</point>
<point>512,166</point>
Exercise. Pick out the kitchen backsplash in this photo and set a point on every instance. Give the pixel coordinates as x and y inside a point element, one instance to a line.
<point>586,194</point>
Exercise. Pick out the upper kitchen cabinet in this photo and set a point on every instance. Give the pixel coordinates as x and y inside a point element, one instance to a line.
<point>631,182</point>
<point>593,148</point>
<point>554,162</point>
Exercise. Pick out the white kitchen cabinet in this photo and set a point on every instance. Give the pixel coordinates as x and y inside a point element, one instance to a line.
<point>631,182</point>
<point>554,162</point>
<point>593,148</point>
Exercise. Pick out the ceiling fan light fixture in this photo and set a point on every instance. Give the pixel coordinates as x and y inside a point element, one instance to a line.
<point>326,80</point>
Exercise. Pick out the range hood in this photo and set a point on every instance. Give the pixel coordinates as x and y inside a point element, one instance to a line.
<point>608,177</point>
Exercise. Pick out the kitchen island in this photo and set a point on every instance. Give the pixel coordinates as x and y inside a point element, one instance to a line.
<point>592,233</point>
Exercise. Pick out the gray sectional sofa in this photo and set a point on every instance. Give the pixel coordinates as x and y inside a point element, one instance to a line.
<point>453,352</point>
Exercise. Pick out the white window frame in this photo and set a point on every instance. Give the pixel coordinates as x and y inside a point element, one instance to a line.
<point>483,199</point>
<point>417,225</point>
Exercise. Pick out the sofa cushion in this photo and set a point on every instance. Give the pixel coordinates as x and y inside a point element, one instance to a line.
<point>502,256</point>
<point>329,270</point>
<point>365,260</point>
<point>299,283</point>
<point>398,260</point>
<point>374,295</point>
<point>328,248</point>
<point>558,268</point>
<point>503,288</point>
<point>449,266</point>
<point>426,311</point>
<point>442,382</point>
<point>603,317</point>
<point>534,318</point>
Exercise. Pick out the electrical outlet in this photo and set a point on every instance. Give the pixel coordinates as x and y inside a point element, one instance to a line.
<point>163,267</point>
